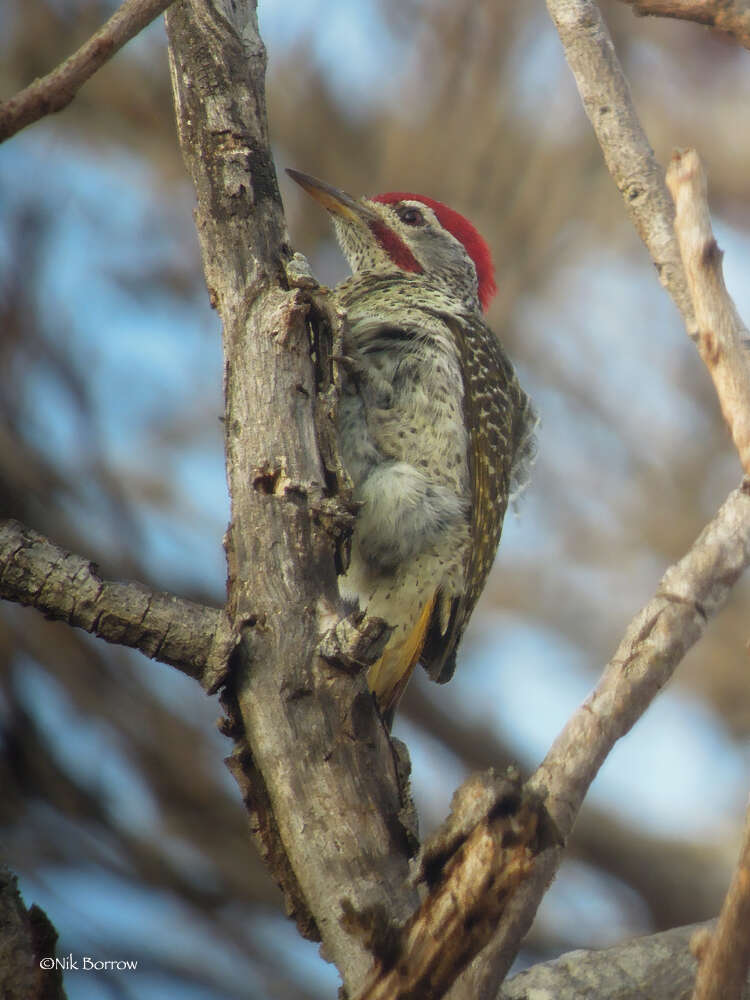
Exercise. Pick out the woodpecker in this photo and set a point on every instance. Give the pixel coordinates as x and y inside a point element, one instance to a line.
<point>435,431</point>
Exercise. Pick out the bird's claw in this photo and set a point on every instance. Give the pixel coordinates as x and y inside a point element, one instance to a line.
<point>365,380</point>
<point>299,273</point>
<point>352,366</point>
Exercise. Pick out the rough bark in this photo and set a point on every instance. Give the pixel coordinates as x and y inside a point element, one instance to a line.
<point>472,866</point>
<point>26,938</point>
<point>65,587</point>
<point>325,786</point>
<point>313,758</point>
<point>676,879</point>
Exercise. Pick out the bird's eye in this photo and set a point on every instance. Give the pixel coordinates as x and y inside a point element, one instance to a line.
<point>411,216</point>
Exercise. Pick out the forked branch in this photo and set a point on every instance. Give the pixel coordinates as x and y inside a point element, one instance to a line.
<point>689,595</point>
<point>692,590</point>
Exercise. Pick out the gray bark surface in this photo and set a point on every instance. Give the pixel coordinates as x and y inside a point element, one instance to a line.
<point>657,967</point>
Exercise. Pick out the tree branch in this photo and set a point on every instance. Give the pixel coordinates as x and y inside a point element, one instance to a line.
<point>57,89</point>
<point>722,337</point>
<point>729,16</point>
<point>677,879</point>
<point>724,954</point>
<point>65,587</point>
<point>659,965</point>
<point>606,97</point>
<point>690,593</point>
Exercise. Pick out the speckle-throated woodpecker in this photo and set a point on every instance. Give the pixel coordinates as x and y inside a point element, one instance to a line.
<point>435,430</point>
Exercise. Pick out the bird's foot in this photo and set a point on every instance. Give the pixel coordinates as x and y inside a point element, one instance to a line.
<point>299,273</point>
<point>365,381</point>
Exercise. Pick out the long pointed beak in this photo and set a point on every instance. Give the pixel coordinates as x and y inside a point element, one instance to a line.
<point>336,201</point>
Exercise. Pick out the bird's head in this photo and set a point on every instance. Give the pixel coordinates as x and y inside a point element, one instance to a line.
<point>411,233</point>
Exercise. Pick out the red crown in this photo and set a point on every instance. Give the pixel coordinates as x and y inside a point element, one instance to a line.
<point>464,232</point>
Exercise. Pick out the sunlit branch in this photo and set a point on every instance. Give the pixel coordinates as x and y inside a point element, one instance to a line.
<point>729,16</point>
<point>57,89</point>
<point>722,337</point>
<point>65,587</point>
<point>691,592</point>
<point>689,595</point>
<point>606,97</point>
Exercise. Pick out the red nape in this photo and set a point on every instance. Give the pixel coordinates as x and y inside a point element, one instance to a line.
<point>395,247</point>
<point>464,232</point>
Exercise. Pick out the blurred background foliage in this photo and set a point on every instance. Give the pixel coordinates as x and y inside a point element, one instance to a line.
<point>117,811</point>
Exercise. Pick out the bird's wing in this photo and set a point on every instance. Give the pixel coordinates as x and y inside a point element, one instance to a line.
<point>501,422</point>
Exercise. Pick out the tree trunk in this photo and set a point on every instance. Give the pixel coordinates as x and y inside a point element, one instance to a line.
<point>313,759</point>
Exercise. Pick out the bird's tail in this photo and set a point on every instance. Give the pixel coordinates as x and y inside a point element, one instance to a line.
<point>387,677</point>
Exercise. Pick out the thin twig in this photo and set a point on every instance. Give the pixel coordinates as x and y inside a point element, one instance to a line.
<point>57,89</point>
<point>722,337</point>
<point>729,16</point>
<point>65,587</point>
<point>724,959</point>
